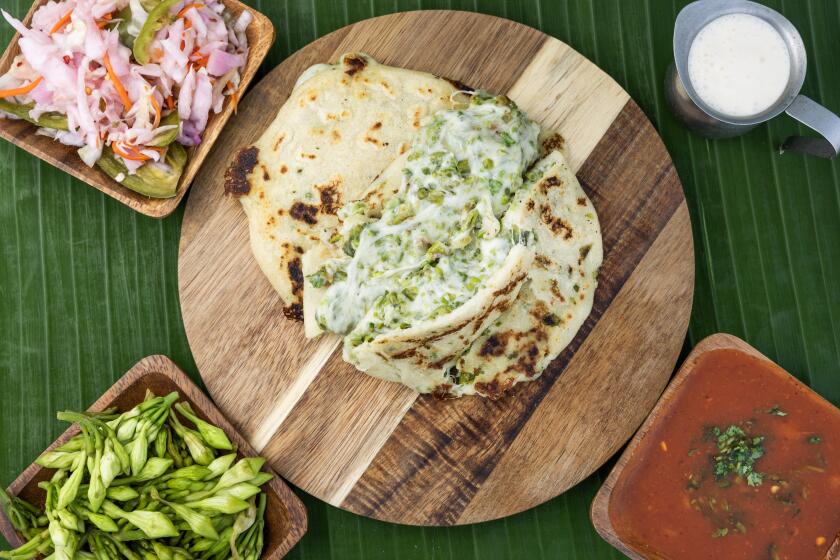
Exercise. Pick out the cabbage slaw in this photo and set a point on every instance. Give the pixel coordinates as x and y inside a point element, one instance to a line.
<point>81,59</point>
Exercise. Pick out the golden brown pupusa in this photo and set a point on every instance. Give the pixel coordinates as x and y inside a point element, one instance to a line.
<point>341,126</point>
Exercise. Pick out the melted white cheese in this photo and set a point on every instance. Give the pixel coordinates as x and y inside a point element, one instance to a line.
<point>439,238</point>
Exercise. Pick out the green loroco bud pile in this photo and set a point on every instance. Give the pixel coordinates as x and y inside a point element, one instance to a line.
<point>144,485</point>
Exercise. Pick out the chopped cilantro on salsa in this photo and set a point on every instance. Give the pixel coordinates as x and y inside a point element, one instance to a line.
<point>737,454</point>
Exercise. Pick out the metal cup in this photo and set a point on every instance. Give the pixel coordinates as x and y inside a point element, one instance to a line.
<point>702,119</point>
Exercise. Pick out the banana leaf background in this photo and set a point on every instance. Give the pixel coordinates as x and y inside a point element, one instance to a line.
<point>88,287</point>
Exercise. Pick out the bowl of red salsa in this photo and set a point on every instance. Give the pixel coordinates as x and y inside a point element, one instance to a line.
<point>738,461</point>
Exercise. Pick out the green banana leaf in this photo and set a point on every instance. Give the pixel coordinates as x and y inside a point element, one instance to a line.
<point>88,287</point>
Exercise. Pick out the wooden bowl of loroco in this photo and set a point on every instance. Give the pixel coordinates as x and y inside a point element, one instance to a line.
<point>260,33</point>
<point>285,515</point>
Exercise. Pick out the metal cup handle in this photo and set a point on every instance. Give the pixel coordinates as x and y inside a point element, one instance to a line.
<point>821,120</point>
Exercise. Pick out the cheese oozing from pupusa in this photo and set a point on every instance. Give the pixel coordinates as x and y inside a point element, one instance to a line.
<point>437,256</point>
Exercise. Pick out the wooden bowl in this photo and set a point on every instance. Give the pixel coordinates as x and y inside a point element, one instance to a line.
<point>21,133</point>
<point>599,512</point>
<point>285,514</point>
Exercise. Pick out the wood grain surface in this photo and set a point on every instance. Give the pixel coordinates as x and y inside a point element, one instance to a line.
<point>260,35</point>
<point>599,512</point>
<point>380,449</point>
<point>286,520</point>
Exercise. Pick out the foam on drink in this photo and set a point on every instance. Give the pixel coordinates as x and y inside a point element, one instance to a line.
<point>739,65</point>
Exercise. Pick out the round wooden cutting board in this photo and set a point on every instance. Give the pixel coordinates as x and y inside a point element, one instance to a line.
<point>378,448</point>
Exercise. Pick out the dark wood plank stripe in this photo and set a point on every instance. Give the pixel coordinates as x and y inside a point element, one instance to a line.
<point>425,455</point>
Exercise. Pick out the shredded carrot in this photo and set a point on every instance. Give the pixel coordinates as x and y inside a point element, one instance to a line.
<point>234,96</point>
<point>170,102</point>
<point>106,19</point>
<point>156,105</point>
<point>200,62</point>
<point>88,91</point>
<point>135,155</point>
<point>65,19</point>
<point>22,89</point>
<point>117,84</point>
<point>187,25</point>
<point>187,8</point>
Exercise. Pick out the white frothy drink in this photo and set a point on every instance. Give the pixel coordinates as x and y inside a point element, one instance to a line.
<point>739,65</point>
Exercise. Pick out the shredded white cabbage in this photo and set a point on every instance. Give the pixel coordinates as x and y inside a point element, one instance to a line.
<point>73,63</point>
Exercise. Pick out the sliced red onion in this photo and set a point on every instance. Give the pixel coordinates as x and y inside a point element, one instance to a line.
<point>220,63</point>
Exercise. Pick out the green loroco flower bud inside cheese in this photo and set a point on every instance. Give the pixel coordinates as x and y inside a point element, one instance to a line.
<point>439,238</point>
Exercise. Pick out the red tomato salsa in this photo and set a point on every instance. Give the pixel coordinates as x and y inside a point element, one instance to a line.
<point>743,465</point>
